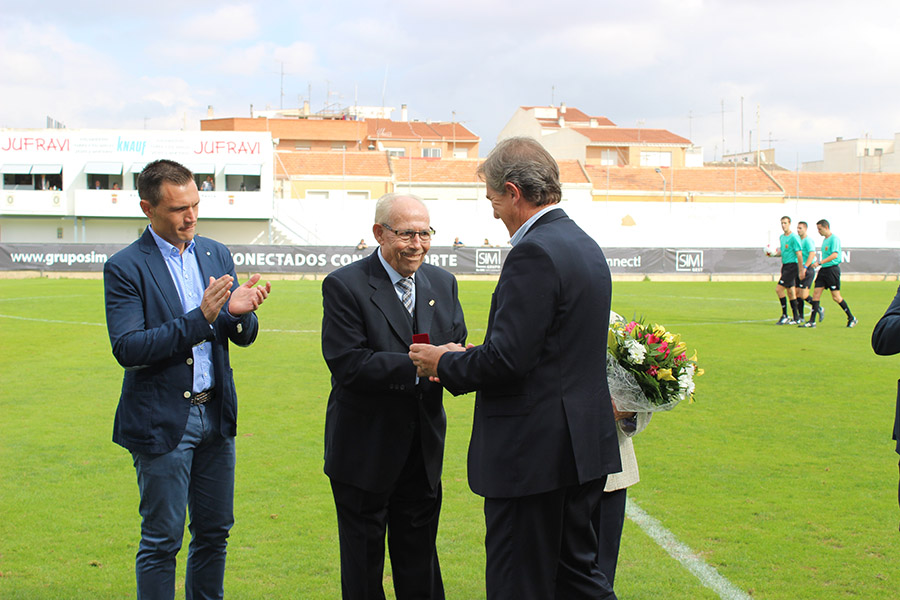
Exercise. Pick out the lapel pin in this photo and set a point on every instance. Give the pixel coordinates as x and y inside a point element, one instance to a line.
<point>207,252</point>
<point>431,303</point>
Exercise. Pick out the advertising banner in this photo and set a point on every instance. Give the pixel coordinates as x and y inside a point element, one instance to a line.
<point>465,260</point>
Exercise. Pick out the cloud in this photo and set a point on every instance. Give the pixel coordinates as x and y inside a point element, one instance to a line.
<point>229,24</point>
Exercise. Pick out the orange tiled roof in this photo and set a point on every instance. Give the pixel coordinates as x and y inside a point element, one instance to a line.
<point>570,171</point>
<point>462,170</point>
<point>571,116</point>
<point>839,185</point>
<point>349,164</point>
<point>293,129</point>
<point>436,170</point>
<point>625,135</point>
<point>417,130</point>
<point>706,179</point>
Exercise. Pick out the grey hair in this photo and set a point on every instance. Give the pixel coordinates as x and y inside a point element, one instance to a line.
<point>523,162</point>
<point>384,205</point>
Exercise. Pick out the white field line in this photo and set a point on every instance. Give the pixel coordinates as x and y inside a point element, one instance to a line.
<point>52,321</point>
<point>707,574</point>
<point>104,324</point>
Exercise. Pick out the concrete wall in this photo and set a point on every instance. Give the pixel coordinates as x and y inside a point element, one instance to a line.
<point>343,221</point>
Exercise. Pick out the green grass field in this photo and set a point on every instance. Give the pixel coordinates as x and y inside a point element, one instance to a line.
<point>782,475</point>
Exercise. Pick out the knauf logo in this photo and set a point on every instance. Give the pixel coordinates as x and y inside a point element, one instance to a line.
<point>136,146</point>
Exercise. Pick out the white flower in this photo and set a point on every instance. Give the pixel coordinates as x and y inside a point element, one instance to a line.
<point>686,381</point>
<point>636,351</point>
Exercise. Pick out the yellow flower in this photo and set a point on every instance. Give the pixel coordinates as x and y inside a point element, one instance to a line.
<point>665,375</point>
<point>694,357</point>
<point>680,347</point>
<point>611,340</point>
<point>659,331</point>
<point>698,373</point>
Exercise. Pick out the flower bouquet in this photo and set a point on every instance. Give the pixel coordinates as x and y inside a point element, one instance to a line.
<point>647,367</point>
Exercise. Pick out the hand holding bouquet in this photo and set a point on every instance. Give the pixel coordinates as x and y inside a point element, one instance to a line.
<point>648,369</point>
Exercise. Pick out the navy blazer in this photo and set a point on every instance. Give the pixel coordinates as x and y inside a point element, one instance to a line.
<point>375,405</point>
<point>543,416</point>
<point>885,341</point>
<point>152,338</point>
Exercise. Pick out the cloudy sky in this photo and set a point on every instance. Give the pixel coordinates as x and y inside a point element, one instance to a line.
<point>816,70</point>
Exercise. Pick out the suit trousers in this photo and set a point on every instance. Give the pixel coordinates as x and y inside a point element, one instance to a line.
<point>408,511</point>
<point>544,546</point>
<point>197,474</point>
<point>608,522</point>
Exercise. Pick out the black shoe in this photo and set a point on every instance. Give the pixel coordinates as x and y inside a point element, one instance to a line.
<point>783,320</point>
<point>852,322</point>
<point>799,321</point>
<point>809,324</point>
<point>821,313</point>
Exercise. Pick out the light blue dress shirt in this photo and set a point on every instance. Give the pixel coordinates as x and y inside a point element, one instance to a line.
<point>189,282</point>
<point>395,277</point>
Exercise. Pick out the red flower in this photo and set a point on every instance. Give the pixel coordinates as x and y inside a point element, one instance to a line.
<point>652,370</point>
<point>652,339</point>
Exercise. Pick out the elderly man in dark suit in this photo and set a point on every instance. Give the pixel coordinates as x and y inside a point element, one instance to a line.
<point>384,426</point>
<point>886,341</point>
<point>543,437</point>
<point>172,305</point>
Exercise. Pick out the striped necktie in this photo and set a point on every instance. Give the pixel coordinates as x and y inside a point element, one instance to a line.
<point>406,285</point>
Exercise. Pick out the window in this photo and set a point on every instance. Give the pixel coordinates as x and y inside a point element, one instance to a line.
<point>103,175</point>
<point>609,158</point>
<point>302,147</point>
<point>357,195</point>
<point>316,194</point>
<point>431,152</point>
<point>396,151</point>
<point>337,147</point>
<point>656,159</point>
<point>41,181</point>
<point>59,233</point>
<point>242,183</point>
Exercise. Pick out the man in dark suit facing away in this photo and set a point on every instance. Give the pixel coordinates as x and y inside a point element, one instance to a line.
<point>543,435</point>
<point>384,426</point>
<point>173,304</point>
<point>886,341</point>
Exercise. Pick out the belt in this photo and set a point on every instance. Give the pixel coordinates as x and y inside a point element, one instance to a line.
<point>202,397</point>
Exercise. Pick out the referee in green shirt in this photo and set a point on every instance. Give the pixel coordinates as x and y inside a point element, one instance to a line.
<point>792,271</point>
<point>808,249</point>
<point>829,275</point>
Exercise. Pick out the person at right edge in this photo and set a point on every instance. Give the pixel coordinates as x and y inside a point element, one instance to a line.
<point>886,341</point>
<point>543,434</point>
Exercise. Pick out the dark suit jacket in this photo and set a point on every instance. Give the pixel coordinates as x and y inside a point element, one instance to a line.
<point>886,340</point>
<point>543,418</point>
<point>375,404</point>
<point>152,338</point>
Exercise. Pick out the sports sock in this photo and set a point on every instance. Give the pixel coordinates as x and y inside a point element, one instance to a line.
<point>795,312</point>
<point>846,310</point>
<point>783,307</point>
<point>800,307</point>
<point>808,299</point>
<point>815,311</point>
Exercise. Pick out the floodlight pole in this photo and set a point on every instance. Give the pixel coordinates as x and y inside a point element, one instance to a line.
<point>659,172</point>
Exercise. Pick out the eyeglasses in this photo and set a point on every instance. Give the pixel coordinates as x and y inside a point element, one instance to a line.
<point>408,234</point>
